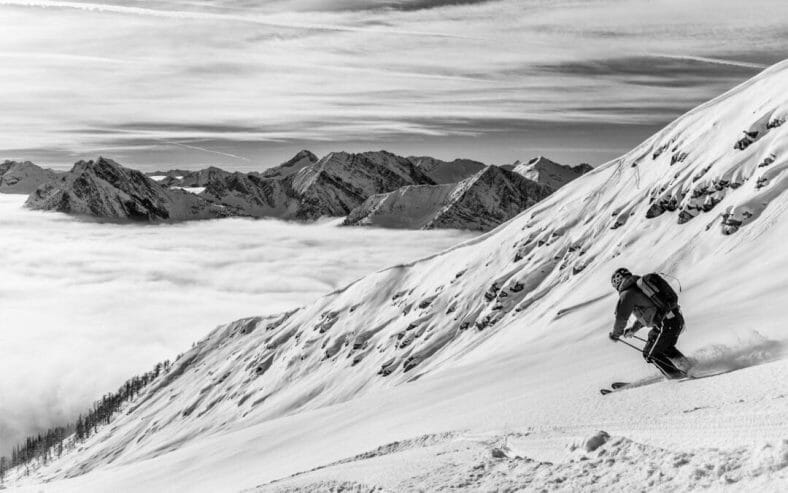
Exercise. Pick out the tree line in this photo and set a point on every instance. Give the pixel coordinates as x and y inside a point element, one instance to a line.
<point>49,445</point>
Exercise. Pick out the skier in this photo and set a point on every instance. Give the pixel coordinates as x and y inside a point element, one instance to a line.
<point>667,324</point>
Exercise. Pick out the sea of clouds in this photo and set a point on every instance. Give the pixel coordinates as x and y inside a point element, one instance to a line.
<point>85,305</point>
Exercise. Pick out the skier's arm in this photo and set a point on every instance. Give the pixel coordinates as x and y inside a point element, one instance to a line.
<point>623,311</point>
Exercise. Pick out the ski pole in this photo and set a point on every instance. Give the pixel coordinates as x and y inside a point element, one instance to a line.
<point>631,345</point>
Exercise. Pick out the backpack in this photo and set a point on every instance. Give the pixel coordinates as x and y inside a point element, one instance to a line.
<point>659,291</point>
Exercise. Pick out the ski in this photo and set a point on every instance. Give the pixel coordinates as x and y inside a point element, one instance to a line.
<point>614,387</point>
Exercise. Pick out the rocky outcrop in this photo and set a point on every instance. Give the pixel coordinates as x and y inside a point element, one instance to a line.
<point>191,179</point>
<point>443,172</point>
<point>105,189</point>
<point>340,181</point>
<point>481,202</point>
<point>23,176</point>
<point>303,188</point>
<point>549,173</point>
<point>169,177</point>
<point>254,194</point>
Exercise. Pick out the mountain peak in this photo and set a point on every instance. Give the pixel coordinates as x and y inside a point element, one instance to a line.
<point>549,173</point>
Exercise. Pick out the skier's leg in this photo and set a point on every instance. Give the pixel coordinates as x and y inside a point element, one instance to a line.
<point>655,352</point>
<point>652,338</point>
<point>673,328</point>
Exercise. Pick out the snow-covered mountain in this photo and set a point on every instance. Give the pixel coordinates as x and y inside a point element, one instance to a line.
<point>301,188</point>
<point>23,176</point>
<point>443,172</point>
<point>293,165</point>
<point>481,202</point>
<point>341,181</point>
<point>478,368</point>
<point>420,191</point>
<point>200,178</point>
<point>105,189</point>
<point>549,173</point>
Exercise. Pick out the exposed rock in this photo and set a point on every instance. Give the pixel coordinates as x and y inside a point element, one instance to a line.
<point>292,166</point>
<point>169,177</point>
<point>341,181</point>
<point>200,178</point>
<point>106,189</point>
<point>549,173</point>
<point>253,194</point>
<point>23,176</point>
<point>481,202</point>
<point>444,172</point>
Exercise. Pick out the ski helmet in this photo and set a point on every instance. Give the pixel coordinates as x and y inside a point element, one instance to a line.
<point>618,277</point>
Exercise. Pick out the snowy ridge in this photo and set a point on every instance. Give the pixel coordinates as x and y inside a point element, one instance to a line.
<point>341,181</point>
<point>479,202</point>
<point>483,330</point>
<point>549,173</point>
<point>444,172</point>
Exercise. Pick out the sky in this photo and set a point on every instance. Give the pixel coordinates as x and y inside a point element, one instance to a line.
<point>245,85</point>
<point>85,305</point>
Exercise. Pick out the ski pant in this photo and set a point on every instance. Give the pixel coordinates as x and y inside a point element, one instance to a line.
<point>660,349</point>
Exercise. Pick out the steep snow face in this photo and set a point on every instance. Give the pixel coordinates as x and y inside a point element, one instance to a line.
<point>23,177</point>
<point>412,207</point>
<point>341,181</point>
<point>488,198</point>
<point>504,330</point>
<point>106,189</point>
<point>481,202</point>
<point>443,172</point>
<point>549,173</point>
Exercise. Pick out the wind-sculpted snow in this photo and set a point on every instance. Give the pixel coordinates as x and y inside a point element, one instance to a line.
<point>533,283</point>
<point>599,462</point>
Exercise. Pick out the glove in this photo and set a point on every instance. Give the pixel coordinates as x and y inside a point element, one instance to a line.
<point>630,331</point>
<point>613,337</point>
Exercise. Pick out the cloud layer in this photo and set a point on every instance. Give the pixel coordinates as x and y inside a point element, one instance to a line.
<point>218,75</point>
<point>85,305</point>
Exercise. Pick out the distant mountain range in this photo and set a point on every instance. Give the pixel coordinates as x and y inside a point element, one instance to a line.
<point>23,176</point>
<point>370,188</point>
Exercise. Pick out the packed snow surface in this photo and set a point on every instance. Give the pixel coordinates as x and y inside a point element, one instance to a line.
<point>480,367</point>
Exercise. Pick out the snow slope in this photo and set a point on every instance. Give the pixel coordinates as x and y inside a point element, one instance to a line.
<point>505,337</point>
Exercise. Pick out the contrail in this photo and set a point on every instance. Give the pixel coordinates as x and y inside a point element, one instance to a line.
<point>717,61</point>
<point>249,19</point>
<point>196,148</point>
<point>61,56</point>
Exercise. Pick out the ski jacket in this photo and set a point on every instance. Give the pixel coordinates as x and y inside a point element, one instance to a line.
<point>632,301</point>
